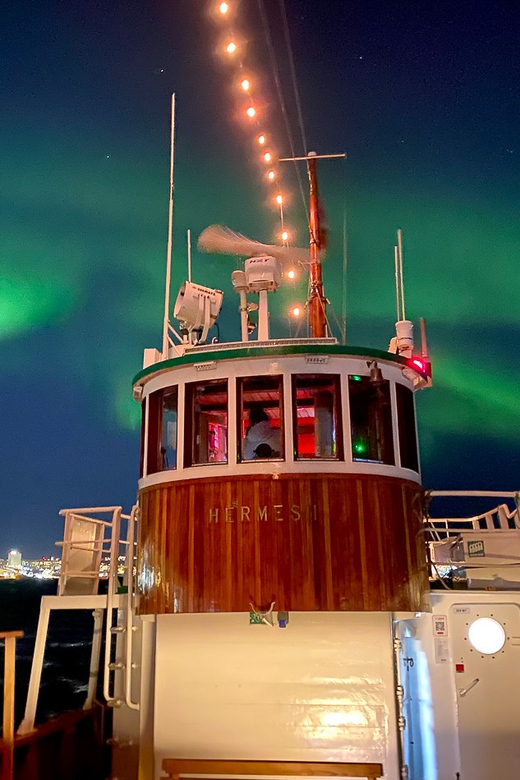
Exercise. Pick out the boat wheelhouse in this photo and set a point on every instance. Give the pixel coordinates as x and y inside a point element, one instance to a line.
<point>326,521</point>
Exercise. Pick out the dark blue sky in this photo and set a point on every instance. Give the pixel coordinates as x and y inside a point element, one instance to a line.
<point>424,97</point>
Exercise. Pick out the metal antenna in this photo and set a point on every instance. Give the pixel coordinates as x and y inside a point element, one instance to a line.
<point>166,321</point>
<point>189,255</point>
<point>396,272</point>
<point>345,260</point>
<point>401,279</point>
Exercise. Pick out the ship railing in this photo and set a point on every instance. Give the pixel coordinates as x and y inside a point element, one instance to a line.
<point>90,543</point>
<point>7,743</point>
<point>462,547</point>
<point>501,517</point>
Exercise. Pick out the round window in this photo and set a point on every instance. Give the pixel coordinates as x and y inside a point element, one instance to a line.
<point>487,635</point>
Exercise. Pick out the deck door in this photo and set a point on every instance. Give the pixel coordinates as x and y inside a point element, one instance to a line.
<point>487,681</point>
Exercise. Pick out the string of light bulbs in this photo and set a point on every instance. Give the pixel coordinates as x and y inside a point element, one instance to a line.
<point>232,48</point>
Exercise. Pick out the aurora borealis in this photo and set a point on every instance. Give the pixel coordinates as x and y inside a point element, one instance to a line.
<point>424,99</point>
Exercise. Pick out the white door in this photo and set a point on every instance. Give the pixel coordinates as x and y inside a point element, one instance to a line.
<point>486,661</point>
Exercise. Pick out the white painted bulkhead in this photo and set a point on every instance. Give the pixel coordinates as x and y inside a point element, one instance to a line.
<point>457,728</point>
<point>322,689</point>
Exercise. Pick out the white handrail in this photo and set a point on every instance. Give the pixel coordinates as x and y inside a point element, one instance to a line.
<point>112,582</point>
<point>129,608</point>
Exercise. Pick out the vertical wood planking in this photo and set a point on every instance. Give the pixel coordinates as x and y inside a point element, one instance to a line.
<point>313,542</point>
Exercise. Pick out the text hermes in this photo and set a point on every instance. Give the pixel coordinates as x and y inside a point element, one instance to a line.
<point>274,512</point>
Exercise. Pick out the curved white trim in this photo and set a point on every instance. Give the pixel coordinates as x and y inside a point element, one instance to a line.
<point>276,468</point>
<point>275,364</point>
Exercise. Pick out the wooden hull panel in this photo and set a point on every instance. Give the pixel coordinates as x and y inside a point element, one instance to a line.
<point>313,542</point>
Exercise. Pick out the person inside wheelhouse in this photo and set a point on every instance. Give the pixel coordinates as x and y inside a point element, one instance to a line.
<point>262,439</point>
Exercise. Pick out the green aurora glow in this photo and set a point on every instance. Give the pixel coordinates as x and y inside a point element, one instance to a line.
<point>84,207</point>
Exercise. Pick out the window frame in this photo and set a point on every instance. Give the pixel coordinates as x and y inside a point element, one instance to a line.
<point>239,406</point>
<point>189,423</point>
<point>338,414</point>
<point>390,449</point>
<point>406,428</point>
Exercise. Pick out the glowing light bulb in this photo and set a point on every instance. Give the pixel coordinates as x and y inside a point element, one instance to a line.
<point>285,235</point>
<point>271,175</point>
<point>251,112</point>
<point>267,157</point>
<point>291,274</point>
<point>279,200</point>
<point>245,84</point>
<point>223,8</point>
<point>296,311</point>
<point>261,140</point>
<point>231,47</point>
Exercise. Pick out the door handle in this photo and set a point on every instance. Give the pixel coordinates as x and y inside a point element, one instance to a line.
<point>464,691</point>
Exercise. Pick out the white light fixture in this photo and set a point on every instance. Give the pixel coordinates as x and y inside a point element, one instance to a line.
<point>197,309</point>
<point>487,635</point>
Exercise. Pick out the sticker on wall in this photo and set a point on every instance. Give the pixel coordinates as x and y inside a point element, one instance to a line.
<point>442,650</point>
<point>476,549</point>
<point>440,625</point>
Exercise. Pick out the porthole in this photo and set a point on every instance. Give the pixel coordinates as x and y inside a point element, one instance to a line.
<point>487,635</point>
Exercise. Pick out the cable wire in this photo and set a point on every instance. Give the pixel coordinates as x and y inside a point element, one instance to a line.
<point>293,73</point>
<point>283,106</point>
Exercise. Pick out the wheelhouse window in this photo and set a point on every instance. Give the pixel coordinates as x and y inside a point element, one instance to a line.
<point>406,423</point>
<point>371,418</point>
<point>317,417</point>
<point>162,430</point>
<point>206,423</point>
<point>169,429</point>
<point>260,418</point>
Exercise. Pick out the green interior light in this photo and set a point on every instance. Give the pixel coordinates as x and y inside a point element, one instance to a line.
<point>356,378</point>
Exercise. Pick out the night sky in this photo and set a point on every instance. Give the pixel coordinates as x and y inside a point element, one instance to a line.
<point>424,98</point>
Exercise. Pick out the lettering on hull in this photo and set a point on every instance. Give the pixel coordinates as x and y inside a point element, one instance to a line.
<point>277,513</point>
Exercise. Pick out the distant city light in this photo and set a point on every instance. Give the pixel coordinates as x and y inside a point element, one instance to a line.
<point>245,84</point>
<point>251,112</point>
<point>261,140</point>
<point>231,47</point>
<point>223,8</point>
<point>267,157</point>
<point>271,175</point>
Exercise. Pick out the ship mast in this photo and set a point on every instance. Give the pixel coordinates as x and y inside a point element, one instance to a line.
<point>316,302</point>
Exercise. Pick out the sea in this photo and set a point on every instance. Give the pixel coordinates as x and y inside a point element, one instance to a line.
<point>66,664</point>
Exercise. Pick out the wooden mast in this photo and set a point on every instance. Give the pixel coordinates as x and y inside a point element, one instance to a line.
<point>316,303</point>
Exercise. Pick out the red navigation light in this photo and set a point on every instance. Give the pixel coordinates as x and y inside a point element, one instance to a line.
<point>422,366</point>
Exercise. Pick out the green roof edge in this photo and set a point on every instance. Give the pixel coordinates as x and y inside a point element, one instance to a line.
<point>249,352</point>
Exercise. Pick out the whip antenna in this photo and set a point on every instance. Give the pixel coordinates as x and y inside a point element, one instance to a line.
<point>166,321</point>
